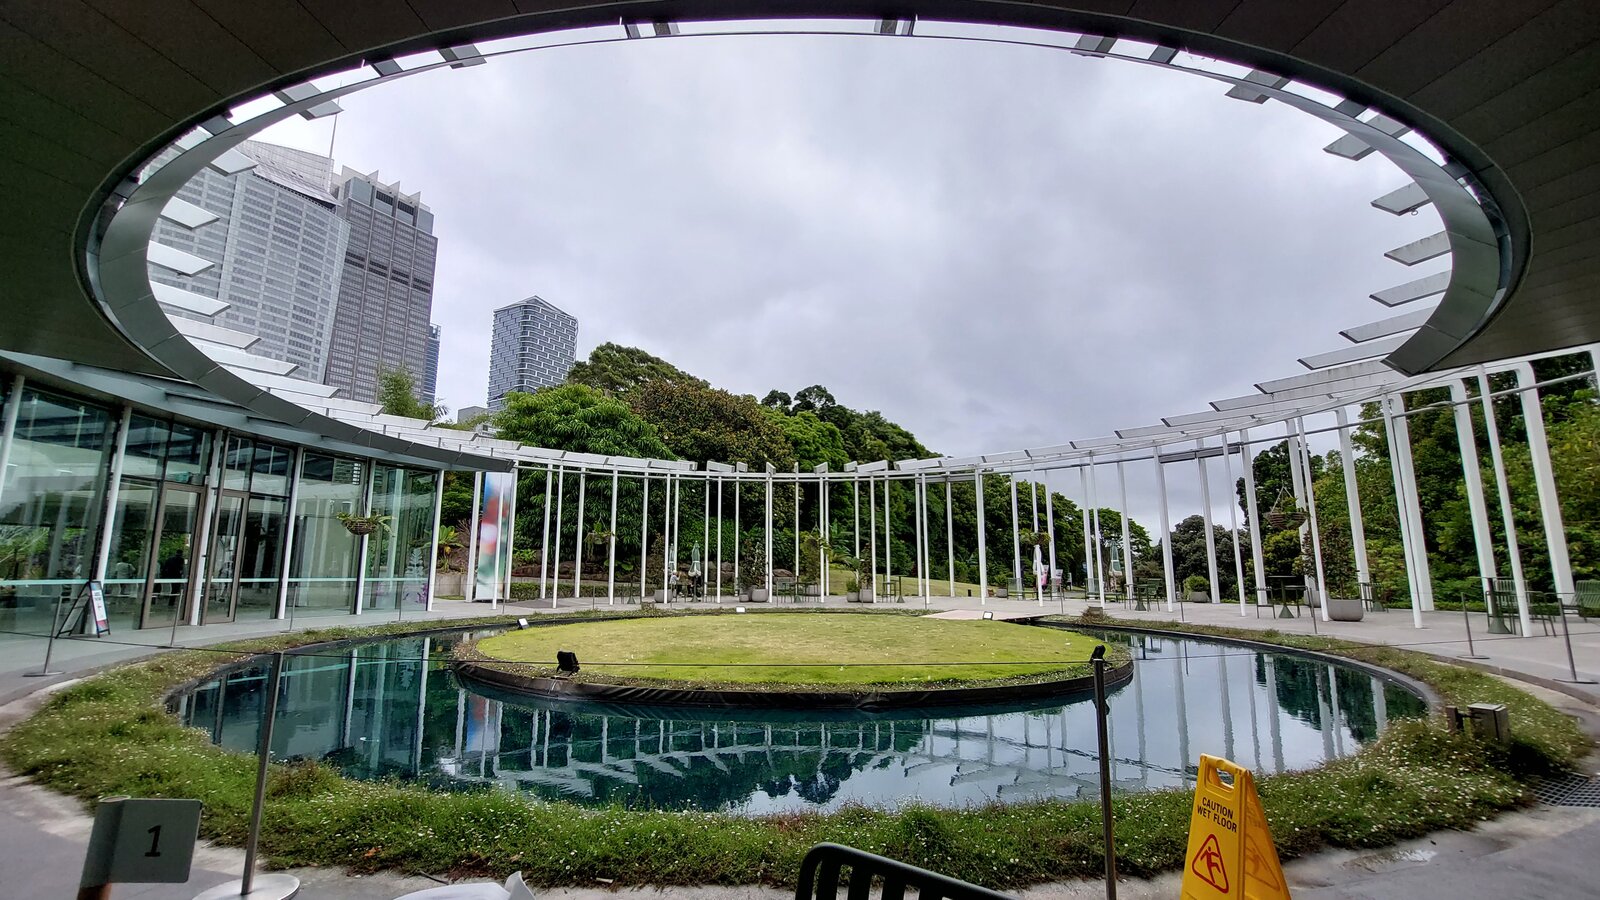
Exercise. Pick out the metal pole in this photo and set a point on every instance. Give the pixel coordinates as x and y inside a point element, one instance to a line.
<point>855,508</point>
<point>1507,516</point>
<point>1408,537</point>
<point>769,533</point>
<point>433,554</point>
<point>8,436</point>
<point>1352,498</point>
<point>577,553</point>
<point>1466,620</point>
<point>1106,822</point>
<point>1472,472</point>
<point>983,550</point>
<point>1544,481</point>
<point>1166,527</point>
<point>1099,561</point>
<point>1127,533</point>
<point>1257,560</point>
<point>1016,539</point>
<point>705,528</point>
<point>113,486</point>
<point>644,538</point>
<point>1408,478</point>
<point>555,548</point>
<point>888,547</point>
<point>719,539</point>
<point>1566,636</point>
<point>949,539</point>
<point>1211,531</point>
<point>1316,531</point>
<point>1233,525</point>
<point>1050,532</point>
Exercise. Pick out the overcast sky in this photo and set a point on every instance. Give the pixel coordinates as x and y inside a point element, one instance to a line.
<point>997,247</point>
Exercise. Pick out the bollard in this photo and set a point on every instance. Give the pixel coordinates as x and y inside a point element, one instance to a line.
<point>1099,660</point>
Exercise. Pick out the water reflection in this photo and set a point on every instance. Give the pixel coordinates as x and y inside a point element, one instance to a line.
<point>391,709</point>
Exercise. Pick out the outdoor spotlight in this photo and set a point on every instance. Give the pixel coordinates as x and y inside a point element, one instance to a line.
<point>738,609</point>
<point>1099,653</point>
<point>522,623</point>
<point>566,662</point>
<point>988,615</point>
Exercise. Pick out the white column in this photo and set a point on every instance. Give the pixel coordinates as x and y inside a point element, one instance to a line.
<point>8,437</point>
<point>769,534</point>
<point>705,537</point>
<point>433,553</point>
<point>1402,497</point>
<point>1205,514</point>
<point>797,521</point>
<point>1099,539</point>
<point>1233,522</point>
<point>677,521</point>
<point>669,559</point>
<point>1088,538</point>
<point>949,538</point>
<point>471,591</point>
<point>822,540</point>
<point>719,538</point>
<point>555,546</point>
<point>544,539</point>
<point>917,532</point>
<point>1507,515</point>
<point>888,546</point>
<point>577,556</point>
<point>927,540</point>
<point>1252,508</point>
<point>738,493</point>
<point>983,549</point>
<point>611,544</point>
<point>1352,499</point>
<point>1127,532</point>
<point>1544,479</point>
<point>1472,472</point>
<point>1050,528</point>
<point>113,486</point>
<point>1311,509</point>
<point>872,533</point>
<point>199,580</point>
<point>855,508</point>
<point>287,569</point>
<point>644,539</point>
<point>364,542</point>
<point>1166,527</point>
<point>1408,476</point>
<point>1016,538</point>
<point>509,539</point>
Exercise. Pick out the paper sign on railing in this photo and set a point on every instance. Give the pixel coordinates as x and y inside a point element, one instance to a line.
<point>1231,855</point>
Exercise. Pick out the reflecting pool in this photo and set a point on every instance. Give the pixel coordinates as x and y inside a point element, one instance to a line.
<point>392,709</point>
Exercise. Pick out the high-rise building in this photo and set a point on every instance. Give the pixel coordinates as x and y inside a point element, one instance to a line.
<point>279,250</point>
<point>533,345</point>
<point>386,289</point>
<point>428,387</point>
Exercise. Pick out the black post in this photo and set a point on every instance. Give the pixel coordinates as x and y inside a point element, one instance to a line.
<point>1099,660</point>
<point>1466,620</point>
<point>263,754</point>
<point>1566,635</point>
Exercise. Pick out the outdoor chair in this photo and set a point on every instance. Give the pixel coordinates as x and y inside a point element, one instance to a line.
<point>1505,617</point>
<point>1586,601</point>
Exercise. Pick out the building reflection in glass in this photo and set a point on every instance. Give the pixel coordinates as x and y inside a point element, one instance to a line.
<point>393,710</point>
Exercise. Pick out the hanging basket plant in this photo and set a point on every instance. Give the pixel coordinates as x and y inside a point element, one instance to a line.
<point>363,525</point>
<point>1284,514</point>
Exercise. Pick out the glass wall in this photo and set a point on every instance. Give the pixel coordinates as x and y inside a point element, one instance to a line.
<point>156,523</point>
<point>397,556</point>
<point>322,575</point>
<point>247,544</point>
<point>50,505</point>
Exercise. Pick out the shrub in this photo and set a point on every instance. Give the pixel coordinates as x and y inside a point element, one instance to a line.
<point>1196,584</point>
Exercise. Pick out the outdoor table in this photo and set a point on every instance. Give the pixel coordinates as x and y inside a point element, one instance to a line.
<point>1289,595</point>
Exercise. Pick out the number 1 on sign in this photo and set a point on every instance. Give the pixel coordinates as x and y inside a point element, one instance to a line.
<point>155,841</point>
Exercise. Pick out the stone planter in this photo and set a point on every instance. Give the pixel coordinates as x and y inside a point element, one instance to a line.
<point>813,590</point>
<point>663,596</point>
<point>1345,610</point>
<point>1001,593</point>
<point>859,596</point>
<point>756,595</point>
<point>450,584</point>
<point>1199,597</point>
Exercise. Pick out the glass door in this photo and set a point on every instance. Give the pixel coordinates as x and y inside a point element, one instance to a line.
<point>177,524</point>
<point>222,582</point>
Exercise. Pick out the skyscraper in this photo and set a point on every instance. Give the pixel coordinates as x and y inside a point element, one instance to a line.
<point>428,387</point>
<point>381,320</point>
<point>278,248</point>
<point>534,345</point>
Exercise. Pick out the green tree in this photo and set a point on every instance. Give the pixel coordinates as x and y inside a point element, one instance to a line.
<point>704,423</point>
<point>620,371</point>
<point>813,440</point>
<point>397,396</point>
<point>578,418</point>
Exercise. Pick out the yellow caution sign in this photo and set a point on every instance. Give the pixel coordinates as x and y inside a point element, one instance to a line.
<point>1231,855</point>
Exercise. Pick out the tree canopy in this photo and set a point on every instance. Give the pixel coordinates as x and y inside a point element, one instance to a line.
<point>578,418</point>
<point>619,371</point>
<point>397,396</point>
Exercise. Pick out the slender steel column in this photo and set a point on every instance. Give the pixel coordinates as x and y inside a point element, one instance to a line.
<point>822,540</point>
<point>797,520</point>
<point>555,548</point>
<point>1016,539</point>
<point>1507,514</point>
<point>1472,473</point>
<point>433,553</point>
<point>199,580</point>
<point>1352,499</point>
<point>1050,530</point>
<point>1205,515</point>
<point>705,536</point>
<point>983,549</point>
<point>287,568</point>
<point>544,539</point>
<point>855,509</point>
<point>917,533</point>
<point>927,539</point>
<point>1233,523</point>
<point>1413,507</point>
<point>1544,480</point>
<point>1166,527</point>
<point>949,538</point>
<point>738,536</point>
<point>1311,508</point>
<point>677,521</point>
<point>577,556</point>
<point>611,543</point>
<point>872,531</point>
<point>888,548</point>
<point>719,538</point>
<point>113,485</point>
<point>8,437</point>
<point>1088,543</point>
<point>1402,497</point>
<point>1298,482</point>
<point>769,532</point>
<point>509,539</point>
<point>1099,537</point>
<point>1127,532</point>
<point>644,539</point>
<point>1257,560</point>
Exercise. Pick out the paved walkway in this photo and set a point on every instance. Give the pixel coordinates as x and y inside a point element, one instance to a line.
<point>1540,853</point>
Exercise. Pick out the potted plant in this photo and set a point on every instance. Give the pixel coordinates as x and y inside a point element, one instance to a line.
<point>1197,589</point>
<point>858,587</point>
<point>363,525</point>
<point>1284,515</point>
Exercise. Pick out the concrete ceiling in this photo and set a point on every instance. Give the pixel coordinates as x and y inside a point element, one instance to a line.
<point>1510,89</point>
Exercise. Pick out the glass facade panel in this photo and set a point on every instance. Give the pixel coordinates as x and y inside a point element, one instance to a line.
<point>236,464</point>
<point>50,506</point>
<point>261,563</point>
<point>146,455</point>
<point>322,579</point>
<point>271,470</point>
<point>397,556</point>
<point>127,568</point>
<point>179,521</point>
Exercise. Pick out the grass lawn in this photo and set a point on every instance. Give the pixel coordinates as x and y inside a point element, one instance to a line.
<point>800,648</point>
